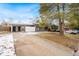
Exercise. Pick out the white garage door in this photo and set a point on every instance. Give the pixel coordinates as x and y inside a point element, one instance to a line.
<point>30,29</point>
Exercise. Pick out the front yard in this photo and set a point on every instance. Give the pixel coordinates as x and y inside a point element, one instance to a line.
<point>44,43</point>
<point>69,40</point>
<point>75,36</point>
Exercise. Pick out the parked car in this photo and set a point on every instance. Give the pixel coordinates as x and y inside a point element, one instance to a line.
<point>71,31</point>
<point>74,32</point>
<point>68,31</point>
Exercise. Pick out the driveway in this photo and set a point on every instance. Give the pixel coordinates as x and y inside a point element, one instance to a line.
<point>31,45</point>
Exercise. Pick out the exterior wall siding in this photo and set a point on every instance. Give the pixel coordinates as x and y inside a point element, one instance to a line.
<point>19,28</point>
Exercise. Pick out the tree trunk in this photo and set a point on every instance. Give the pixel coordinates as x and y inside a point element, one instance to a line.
<point>61,20</point>
<point>61,26</point>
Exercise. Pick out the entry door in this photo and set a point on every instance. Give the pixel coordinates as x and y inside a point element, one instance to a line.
<point>19,28</point>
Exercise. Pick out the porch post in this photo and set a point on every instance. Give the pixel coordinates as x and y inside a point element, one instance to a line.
<point>24,28</point>
<point>11,28</point>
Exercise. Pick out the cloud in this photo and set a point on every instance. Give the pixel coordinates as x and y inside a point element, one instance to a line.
<point>18,14</point>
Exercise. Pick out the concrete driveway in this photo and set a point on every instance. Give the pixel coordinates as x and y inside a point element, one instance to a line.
<point>31,45</point>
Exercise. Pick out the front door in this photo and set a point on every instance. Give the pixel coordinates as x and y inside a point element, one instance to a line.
<point>19,28</point>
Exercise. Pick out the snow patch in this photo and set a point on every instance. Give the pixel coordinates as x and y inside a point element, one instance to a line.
<point>7,45</point>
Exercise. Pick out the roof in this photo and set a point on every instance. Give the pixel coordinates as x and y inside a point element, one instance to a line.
<point>22,24</point>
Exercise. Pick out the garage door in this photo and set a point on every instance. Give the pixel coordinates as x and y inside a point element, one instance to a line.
<point>30,29</point>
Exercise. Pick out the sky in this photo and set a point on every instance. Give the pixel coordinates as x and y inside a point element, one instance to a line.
<point>19,12</point>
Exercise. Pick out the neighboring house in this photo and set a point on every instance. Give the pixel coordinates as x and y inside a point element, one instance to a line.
<point>18,27</point>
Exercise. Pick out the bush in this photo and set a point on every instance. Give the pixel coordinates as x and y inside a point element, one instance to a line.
<point>54,27</point>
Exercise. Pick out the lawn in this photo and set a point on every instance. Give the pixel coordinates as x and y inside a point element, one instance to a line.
<point>75,36</point>
<point>64,40</point>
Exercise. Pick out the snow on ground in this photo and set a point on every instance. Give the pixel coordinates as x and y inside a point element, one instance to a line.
<point>7,45</point>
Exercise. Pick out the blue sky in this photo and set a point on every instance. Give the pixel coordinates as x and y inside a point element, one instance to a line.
<point>19,12</point>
